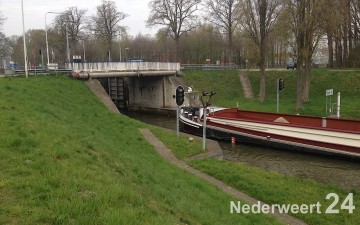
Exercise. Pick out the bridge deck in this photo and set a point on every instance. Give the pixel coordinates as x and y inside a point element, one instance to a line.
<point>124,66</point>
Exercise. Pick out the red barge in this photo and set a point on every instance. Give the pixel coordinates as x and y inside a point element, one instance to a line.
<point>329,136</point>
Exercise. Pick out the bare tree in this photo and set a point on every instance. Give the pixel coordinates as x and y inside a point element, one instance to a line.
<point>224,14</point>
<point>75,20</point>
<point>2,20</point>
<point>177,15</point>
<point>331,21</point>
<point>308,27</point>
<point>105,24</point>
<point>260,17</point>
<point>5,46</point>
<point>205,42</point>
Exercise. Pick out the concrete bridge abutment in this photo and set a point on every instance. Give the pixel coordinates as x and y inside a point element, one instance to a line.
<point>137,86</point>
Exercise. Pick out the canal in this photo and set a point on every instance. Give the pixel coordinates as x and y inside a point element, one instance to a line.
<point>343,173</point>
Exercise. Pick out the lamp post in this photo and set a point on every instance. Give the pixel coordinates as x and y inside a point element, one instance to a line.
<point>126,53</point>
<point>67,43</point>
<point>46,37</point>
<point>84,49</point>
<point>25,52</point>
<point>120,44</point>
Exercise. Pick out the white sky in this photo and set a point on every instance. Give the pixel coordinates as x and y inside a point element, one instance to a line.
<point>34,13</point>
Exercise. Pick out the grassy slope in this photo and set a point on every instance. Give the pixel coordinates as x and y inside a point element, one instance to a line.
<point>229,91</point>
<point>182,147</point>
<point>66,160</point>
<point>274,188</point>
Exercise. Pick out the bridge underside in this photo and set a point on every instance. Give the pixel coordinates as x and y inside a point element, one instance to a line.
<point>146,86</point>
<point>144,93</point>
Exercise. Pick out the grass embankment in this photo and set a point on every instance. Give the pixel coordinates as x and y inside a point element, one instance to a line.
<point>181,147</point>
<point>229,90</point>
<point>274,188</point>
<point>66,160</point>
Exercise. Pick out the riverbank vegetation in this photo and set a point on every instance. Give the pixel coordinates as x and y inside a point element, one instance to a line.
<point>65,159</point>
<point>230,93</point>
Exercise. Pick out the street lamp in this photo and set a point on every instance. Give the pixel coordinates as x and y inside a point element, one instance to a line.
<point>67,43</point>
<point>126,53</point>
<point>120,44</point>
<point>25,52</point>
<point>46,37</point>
<point>84,49</point>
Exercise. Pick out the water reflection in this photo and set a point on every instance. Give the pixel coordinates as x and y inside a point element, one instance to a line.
<point>322,169</point>
<point>326,170</point>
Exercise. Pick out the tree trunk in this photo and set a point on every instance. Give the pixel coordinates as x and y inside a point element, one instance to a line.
<point>346,51</point>
<point>299,87</point>
<point>230,55</point>
<point>262,13</point>
<point>177,42</point>
<point>273,50</point>
<point>307,80</point>
<point>308,52</point>
<point>330,49</point>
<point>300,42</point>
<point>109,45</point>
<point>338,52</point>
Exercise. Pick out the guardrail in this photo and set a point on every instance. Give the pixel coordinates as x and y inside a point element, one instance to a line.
<point>207,67</point>
<point>9,71</point>
<point>124,66</point>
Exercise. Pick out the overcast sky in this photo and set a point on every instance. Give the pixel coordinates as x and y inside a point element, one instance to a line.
<point>34,12</point>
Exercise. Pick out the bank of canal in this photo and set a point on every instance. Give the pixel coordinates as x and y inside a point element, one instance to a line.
<point>305,166</point>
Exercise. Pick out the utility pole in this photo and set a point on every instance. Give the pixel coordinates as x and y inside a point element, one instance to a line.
<point>24,38</point>
<point>205,105</point>
<point>67,44</point>
<point>120,44</point>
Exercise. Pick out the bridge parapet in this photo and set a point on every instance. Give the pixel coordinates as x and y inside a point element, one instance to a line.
<point>124,66</point>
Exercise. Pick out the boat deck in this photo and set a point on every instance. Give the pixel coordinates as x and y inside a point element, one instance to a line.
<point>341,125</point>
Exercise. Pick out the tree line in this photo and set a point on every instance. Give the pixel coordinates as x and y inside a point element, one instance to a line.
<point>248,33</point>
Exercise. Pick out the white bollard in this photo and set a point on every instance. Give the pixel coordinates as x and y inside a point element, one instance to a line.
<point>338,106</point>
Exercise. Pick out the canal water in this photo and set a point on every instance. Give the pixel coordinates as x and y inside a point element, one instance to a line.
<point>343,173</point>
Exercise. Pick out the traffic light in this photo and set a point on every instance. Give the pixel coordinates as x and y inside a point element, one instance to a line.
<point>281,84</point>
<point>180,95</point>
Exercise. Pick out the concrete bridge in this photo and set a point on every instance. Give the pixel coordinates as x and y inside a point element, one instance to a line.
<point>142,86</point>
<point>124,66</point>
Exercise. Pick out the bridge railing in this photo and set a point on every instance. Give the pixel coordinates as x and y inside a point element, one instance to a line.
<point>124,66</point>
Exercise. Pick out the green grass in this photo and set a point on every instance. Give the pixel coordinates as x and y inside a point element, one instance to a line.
<point>274,188</point>
<point>182,147</point>
<point>229,91</point>
<point>65,159</point>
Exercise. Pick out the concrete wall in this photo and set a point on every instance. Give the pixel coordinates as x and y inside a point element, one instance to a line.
<point>156,92</point>
<point>150,92</point>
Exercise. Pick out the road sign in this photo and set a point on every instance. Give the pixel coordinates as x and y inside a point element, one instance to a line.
<point>329,92</point>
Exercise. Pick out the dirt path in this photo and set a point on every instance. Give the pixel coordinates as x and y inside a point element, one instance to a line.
<point>167,154</point>
<point>246,86</point>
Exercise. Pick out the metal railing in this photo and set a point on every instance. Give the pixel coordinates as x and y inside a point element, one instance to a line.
<point>208,67</point>
<point>124,66</point>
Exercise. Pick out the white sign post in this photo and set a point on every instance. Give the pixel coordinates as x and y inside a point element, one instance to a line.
<point>328,93</point>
